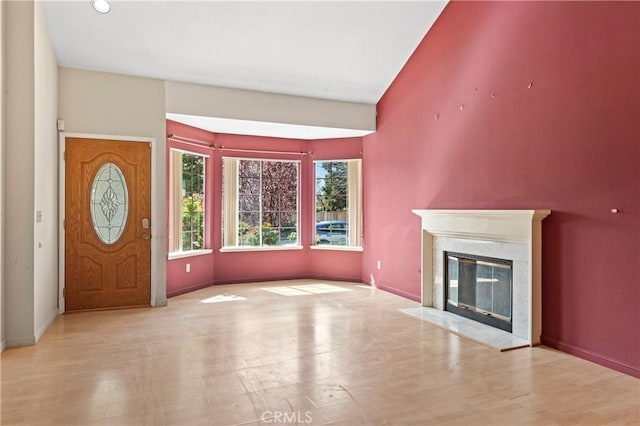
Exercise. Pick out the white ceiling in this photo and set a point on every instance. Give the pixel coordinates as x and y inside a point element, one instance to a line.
<point>340,50</point>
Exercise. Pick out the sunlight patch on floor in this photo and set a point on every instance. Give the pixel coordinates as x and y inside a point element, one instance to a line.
<point>223,298</point>
<point>302,290</point>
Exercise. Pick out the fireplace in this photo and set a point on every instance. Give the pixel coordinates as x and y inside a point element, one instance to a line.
<point>498,254</point>
<point>479,288</point>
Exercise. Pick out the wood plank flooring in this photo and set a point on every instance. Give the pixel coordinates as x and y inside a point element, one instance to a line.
<point>317,357</point>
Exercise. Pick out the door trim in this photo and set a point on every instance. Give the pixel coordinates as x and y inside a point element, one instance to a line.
<point>157,244</point>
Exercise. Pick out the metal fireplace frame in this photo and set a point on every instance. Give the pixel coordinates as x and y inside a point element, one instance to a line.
<point>476,314</point>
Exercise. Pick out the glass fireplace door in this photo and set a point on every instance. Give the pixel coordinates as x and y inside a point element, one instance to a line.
<point>479,288</point>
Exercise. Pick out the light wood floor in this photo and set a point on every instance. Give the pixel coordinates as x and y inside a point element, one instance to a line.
<point>348,358</point>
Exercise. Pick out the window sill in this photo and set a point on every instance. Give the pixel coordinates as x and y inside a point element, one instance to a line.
<point>183,254</point>
<point>336,248</point>
<point>265,248</point>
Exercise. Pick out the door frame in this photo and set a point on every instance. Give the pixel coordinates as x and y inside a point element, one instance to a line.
<point>157,244</point>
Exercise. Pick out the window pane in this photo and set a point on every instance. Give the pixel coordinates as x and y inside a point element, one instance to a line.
<point>249,202</point>
<point>270,200</point>
<point>270,234</point>
<point>288,235</point>
<point>288,201</point>
<point>272,217</point>
<point>332,203</point>
<point>249,186</point>
<point>267,194</point>
<point>248,235</point>
<point>289,219</point>
<point>249,169</point>
<point>250,218</point>
<point>191,202</point>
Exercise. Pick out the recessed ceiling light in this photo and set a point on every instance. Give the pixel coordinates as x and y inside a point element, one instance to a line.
<point>101,6</point>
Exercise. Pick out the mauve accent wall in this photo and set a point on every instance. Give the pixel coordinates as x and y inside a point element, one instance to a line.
<point>461,128</point>
<point>232,267</point>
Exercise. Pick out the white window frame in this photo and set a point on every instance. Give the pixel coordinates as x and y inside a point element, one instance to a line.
<point>354,205</point>
<point>231,200</point>
<point>175,205</point>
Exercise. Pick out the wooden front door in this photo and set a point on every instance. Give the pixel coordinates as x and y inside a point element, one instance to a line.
<point>107,224</point>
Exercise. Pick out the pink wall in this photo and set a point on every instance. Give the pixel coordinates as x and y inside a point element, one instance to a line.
<point>570,143</point>
<point>263,265</point>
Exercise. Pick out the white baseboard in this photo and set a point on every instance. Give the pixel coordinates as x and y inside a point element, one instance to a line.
<point>3,345</point>
<point>25,341</point>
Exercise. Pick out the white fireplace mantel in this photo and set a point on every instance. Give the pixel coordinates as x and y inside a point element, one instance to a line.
<point>521,227</point>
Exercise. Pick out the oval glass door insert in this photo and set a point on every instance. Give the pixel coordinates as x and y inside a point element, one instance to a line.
<point>109,203</point>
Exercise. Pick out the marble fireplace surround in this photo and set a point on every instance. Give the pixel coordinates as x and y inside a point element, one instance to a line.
<point>506,234</point>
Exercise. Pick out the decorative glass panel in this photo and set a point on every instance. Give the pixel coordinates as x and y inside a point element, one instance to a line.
<point>109,203</point>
